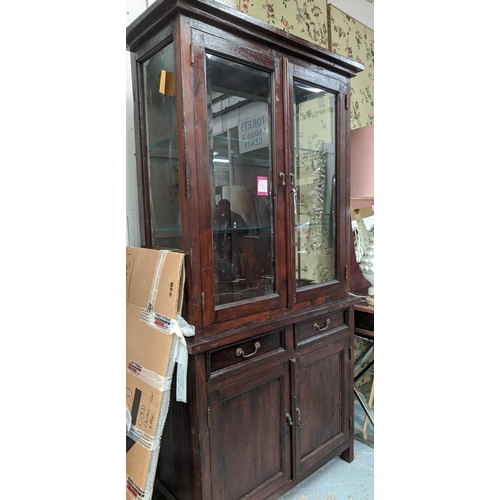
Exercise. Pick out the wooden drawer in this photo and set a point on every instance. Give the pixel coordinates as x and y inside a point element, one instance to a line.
<point>243,352</point>
<point>318,326</point>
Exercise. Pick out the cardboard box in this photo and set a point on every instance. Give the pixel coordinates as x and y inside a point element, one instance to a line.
<point>141,472</point>
<point>141,268</point>
<point>155,285</point>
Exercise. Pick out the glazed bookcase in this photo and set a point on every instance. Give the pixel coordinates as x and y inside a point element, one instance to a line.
<point>230,109</point>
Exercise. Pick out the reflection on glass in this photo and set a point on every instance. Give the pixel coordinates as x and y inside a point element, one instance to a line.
<point>161,142</point>
<point>314,185</point>
<point>239,131</point>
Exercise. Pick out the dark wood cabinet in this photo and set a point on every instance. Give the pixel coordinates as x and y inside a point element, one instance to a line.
<point>242,144</point>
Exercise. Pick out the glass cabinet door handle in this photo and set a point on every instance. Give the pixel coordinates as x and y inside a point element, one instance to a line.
<point>283,179</point>
<point>294,193</point>
<point>299,423</point>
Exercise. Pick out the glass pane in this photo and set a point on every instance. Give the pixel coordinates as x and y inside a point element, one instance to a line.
<point>314,179</point>
<point>161,142</point>
<point>239,133</point>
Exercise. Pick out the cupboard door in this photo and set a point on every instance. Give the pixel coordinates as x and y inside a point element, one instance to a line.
<point>250,436</point>
<point>322,401</point>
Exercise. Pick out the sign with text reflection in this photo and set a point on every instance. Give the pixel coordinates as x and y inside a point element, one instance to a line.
<point>253,132</point>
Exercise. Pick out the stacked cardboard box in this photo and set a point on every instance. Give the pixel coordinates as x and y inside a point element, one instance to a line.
<point>155,284</point>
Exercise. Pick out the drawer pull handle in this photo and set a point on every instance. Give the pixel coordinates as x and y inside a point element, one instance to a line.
<point>240,352</point>
<point>321,328</point>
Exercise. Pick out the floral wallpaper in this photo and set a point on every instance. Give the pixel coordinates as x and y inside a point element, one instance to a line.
<point>354,40</point>
<point>325,25</point>
<point>304,18</point>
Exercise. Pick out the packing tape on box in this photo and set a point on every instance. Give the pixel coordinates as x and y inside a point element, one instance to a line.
<point>181,358</point>
<point>134,432</point>
<point>171,326</point>
<point>143,438</point>
<point>150,377</point>
<point>129,418</point>
<point>162,256</point>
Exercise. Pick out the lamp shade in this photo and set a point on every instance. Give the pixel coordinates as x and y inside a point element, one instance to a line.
<point>362,166</point>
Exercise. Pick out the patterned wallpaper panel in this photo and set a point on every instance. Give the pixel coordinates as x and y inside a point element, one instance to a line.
<point>304,18</point>
<point>325,25</point>
<point>354,40</point>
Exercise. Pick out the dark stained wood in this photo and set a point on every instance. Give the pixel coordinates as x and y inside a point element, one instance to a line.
<point>319,326</point>
<point>251,445</point>
<point>142,177</point>
<point>176,458</point>
<point>188,181</point>
<point>253,349</point>
<point>324,423</point>
<point>229,20</point>
<point>239,435</point>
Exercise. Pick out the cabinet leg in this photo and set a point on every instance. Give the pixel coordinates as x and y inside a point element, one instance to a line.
<point>348,455</point>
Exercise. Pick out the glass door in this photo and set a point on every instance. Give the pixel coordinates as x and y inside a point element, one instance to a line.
<point>314,184</point>
<point>239,182</point>
<point>239,131</point>
<point>315,191</point>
